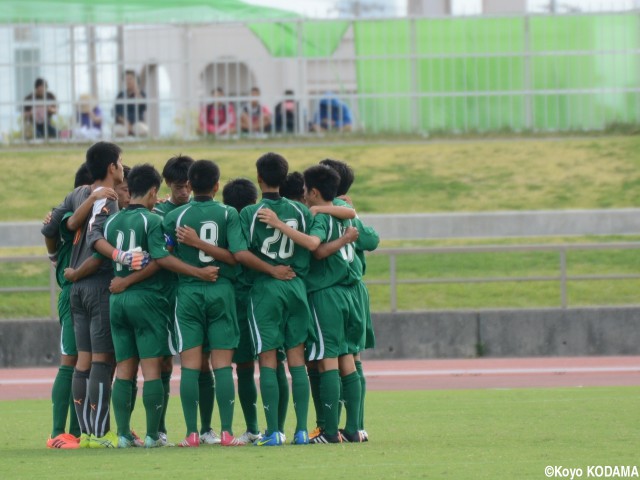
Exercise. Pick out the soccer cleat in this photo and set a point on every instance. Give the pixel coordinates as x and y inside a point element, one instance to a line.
<point>365,435</point>
<point>210,438</point>
<point>84,441</point>
<point>136,439</point>
<point>301,437</point>
<point>162,437</point>
<point>65,441</point>
<point>314,433</point>
<point>192,440</point>
<point>109,440</point>
<point>283,437</point>
<point>352,437</point>
<point>326,438</point>
<point>126,442</point>
<point>228,440</point>
<point>248,437</point>
<point>273,440</point>
<point>151,443</point>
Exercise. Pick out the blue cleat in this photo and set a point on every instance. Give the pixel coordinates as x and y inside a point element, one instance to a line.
<point>301,437</point>
<point>272,440</point>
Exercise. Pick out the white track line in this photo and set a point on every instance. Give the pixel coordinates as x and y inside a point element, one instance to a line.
<point>416,373</point>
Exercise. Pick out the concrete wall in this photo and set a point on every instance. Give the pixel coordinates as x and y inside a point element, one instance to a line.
<point>451,334</point>
<point>507,333</point>
<point>624,221</point>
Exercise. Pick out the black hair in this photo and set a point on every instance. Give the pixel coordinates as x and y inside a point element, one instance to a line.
<point>324,179</point>
<point>131,72</point>
<point>142,178</point>
<point>293,187</point>
<point>126,170</point>
<point>83,176</point>
<point>289,92</point>
<point>239,192</point>
<point>99,156</point>
<point>203,175</point>
<point>177,168</point>
<point>273,169</point>
<point>39,82</point>
<point>346,174</point>
<point>255,89</point>
<point>219,90</point>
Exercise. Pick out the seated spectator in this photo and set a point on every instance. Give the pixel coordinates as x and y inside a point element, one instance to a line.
<point>219,117</point>
<point>287,113</point>
<point>39,107</point>
<point>88,119</point>
<point>130,112</point>
<point>255,117</point>
<point>333,115</point>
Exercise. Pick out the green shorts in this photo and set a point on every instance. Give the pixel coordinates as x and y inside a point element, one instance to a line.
<point>357,325</point>
<point>332,309</point>
<point>370,337</point>
<point>139,322</point>
<point>206,313</point>
<point>278,313</point>
<point>172,343</point>
<point>67,335</point>
<point>244,353</point>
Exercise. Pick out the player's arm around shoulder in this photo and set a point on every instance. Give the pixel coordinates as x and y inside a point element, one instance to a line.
<point>51,224</point>
<point>301,238</point>
<point>82,212</point>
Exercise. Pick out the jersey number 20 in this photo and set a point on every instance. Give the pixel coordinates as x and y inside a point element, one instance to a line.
<point>285,250</point>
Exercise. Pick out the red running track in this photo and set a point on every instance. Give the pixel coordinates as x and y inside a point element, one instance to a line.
<point>26,383</point>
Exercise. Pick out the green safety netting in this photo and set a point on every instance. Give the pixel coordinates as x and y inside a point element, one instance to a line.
<point>283,39</point>
<point>307,38</point>
<point>554,73</point>
<point>134,11</point>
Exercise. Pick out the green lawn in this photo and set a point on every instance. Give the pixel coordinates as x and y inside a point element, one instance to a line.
<point>462,434</point>
<point>532,174</point>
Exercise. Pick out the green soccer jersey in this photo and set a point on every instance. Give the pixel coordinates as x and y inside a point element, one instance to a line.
<point>132,228</point>
<point>270,244</point>
<point>215,223</point>
<point>368,239</point>
<point>165,207</point>
<point>64,250</point>
<point>340,268</point>
<point>167,276</point>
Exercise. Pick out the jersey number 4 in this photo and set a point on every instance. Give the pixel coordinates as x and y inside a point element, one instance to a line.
<point>286,245</point>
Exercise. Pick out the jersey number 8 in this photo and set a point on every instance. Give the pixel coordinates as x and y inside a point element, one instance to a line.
<point>208,233</point>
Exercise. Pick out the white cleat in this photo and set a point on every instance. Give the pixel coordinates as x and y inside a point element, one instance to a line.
<point>210,438</point>
<point>248,437</point>
<point>162,438</point>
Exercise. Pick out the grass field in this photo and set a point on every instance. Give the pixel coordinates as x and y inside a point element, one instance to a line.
<point>599,172</point>
<point>461,434</point>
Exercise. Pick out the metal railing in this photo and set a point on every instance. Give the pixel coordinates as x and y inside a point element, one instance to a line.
<point>561,249</point>
<point>563,277</point>
<point>52,288</point>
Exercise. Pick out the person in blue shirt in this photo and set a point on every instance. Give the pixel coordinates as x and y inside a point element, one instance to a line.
<point>332,115</point>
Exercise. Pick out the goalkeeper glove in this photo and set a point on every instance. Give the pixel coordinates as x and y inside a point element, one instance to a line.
<point>135,259</point>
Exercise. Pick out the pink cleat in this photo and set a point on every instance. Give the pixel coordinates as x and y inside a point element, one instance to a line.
<point>192,440</point>
<point>228,440</point>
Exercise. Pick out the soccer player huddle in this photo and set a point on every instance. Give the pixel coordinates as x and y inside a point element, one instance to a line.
<point>277,279</point>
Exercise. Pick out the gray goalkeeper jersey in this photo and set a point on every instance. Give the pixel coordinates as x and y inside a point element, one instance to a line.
<point>87,235</point>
